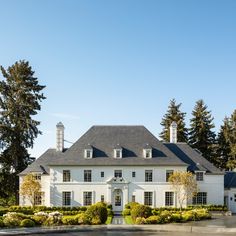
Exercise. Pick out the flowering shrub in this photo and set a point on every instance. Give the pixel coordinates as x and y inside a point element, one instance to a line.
<point>54,218</point>
<point>13,219</point>
<point>83,219</point>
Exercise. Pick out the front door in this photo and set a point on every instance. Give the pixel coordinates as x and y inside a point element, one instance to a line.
<point>117,204</point>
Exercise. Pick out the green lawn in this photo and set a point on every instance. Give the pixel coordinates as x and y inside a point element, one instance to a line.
<point>109,220</point>
<point>128,220</point>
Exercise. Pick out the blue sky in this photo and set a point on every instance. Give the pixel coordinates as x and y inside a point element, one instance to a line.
<point>120,62</point>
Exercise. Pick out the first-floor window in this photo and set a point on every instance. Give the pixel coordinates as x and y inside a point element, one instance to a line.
<point>148,198</point>
<point>66,198</point>
<point>87,198</point>
<point>200,198</point>
<point>169,198</point>
<point>39,198</point>
<point>133,198</point>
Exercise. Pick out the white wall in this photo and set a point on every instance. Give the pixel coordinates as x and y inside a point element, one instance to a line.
<point>230,196</point>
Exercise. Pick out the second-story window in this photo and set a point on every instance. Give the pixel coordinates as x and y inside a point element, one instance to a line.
<point>133,174</point>
<point>168,174</point>
<point>37,177</point>
<point>118,173</point>
<point>148,175</point>
<point>102,174</point>
<point>87,176</point>
<point>199,176</point>
<point>66,175</point>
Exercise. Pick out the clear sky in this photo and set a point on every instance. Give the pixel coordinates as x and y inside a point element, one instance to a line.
<point>120,62</point>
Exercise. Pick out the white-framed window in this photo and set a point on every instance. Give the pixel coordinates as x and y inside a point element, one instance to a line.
<point>66,198</point>
<point>102,198</point>
<point>200,198</point>
<point>118,173</point>
<point>88,153</point>
<point>102,174</point>
<point>118,153</point>
<point>133,174</point>
<point>87,196</point>
<point>148,197</point>
<point>87,176</point>
<point>147,153</point>
<point>133,198</point>
<point>66,175</point>
<point>148,175</point>
<point>199,175</point>
<point>168,174</point>
<point>169,198</point>
<point>39,199</point>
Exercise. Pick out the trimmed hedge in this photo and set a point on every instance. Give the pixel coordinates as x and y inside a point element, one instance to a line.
<point>140,211</point>
<point>27,223</point>
<point>97,213</point>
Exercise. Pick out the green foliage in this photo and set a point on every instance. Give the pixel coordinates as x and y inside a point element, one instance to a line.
<point>83,219</point>
<point>140,211</point>
<point>39,219</point>
<point>13,219</point>
<point>54,218</point>
<point>140,221</point>
<point>69,220</point>
<point>201,135</point>
<point>110,212</point>
<point>174,114</point>
<point>1,223</point>
<point>153,220</point>
<point>28,210</point>
<point>130,205</point>
<point>109,220</point>
<point>97,213</point>
<point>27,223</point>
<point>126,212</point>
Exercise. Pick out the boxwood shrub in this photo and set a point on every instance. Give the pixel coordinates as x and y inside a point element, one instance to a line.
<point>140,211</point>
<point>27,223</point>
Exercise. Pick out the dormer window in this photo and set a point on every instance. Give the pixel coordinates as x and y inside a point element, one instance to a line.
<point>147,153</point>
<point>118,153</point>
<point>88,153</point>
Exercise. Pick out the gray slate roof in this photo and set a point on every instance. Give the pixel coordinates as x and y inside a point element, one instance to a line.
<point>230,180</point>
<point>132,139</point>
<point>193,158</point>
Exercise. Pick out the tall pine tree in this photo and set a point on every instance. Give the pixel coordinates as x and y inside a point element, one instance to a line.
<point>174,114</point>
<point>20,97</point>
<point>223,145</point>
<point>201,135</point>
<point>231,138</point>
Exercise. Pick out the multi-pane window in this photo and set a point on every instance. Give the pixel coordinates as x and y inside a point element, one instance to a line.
<point>200,198</point>
<point>66,175</point>
<point>199,176</point>
<point>66,198</point>
<point>102,174</point>
<point>133,198</point>
<point>133,174</point>
<point>87,198</point>
<point>168,174</point>
<point>169,198</point>
<point>39,198</point>
<point>118,173</point>
<point>37,177</point>
<point>235,197</point>
<point>87,176</point>
<point>118,153</point>
<point>147,153</point>
<point>88,153</point>
<point>102,198</point>
<point>148,198</point>
<point>148,175</point>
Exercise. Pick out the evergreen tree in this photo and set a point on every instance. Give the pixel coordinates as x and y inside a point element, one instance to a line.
<point>174,114</point>
<point>201,135</point>
<point>20,97</point>
<point>223,145</point>
<point>231,138</point>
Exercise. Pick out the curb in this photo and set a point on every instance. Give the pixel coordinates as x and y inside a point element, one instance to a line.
<point>112,228</point>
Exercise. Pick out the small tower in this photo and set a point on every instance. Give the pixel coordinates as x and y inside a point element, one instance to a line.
<point>173,132</point>
<point>60,137</point>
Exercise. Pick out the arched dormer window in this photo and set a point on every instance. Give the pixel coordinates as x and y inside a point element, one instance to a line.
<point>118,151</point>
<point>88,152</point>
<point>147,151</point>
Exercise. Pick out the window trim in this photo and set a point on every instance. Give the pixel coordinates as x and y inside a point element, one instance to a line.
<point>84,198</point>
<point>173,200</point>
<point>197,175</point>
<point>88,179</point>
<point>145,151</point>
<point>64,179</point>
<point>152,198</point>
<point>116,150</point>
<point>168,173</point>
<point>118,176</point>
<point>90,151</point>
<point>198,200</point>
<point>133,174</point>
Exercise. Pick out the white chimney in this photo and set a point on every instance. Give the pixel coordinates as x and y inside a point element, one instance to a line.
<point>60,137</point>
<point>173,132</point>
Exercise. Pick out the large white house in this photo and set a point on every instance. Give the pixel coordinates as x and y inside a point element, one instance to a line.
<point>121,164</point>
